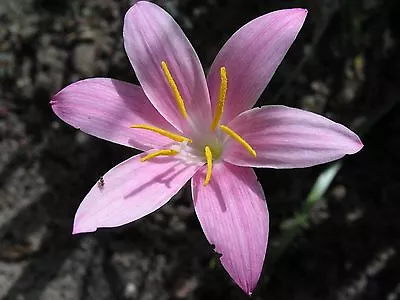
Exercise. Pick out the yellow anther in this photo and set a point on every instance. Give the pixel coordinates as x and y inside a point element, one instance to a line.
<point>238,138</point>
<point>221,99</point>
<point>166,152</point>
<point>174,89</point>
<point>208,154</point>
<point>170,135</point>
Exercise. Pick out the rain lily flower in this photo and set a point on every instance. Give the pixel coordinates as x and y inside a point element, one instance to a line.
<point>190,127</point>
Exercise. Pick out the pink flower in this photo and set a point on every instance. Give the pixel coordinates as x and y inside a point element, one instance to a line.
<point>204,129</point>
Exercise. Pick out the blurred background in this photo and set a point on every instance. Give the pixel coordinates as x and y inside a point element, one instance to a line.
<point>334,228</point>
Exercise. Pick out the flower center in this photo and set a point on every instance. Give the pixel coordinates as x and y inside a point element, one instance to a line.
<point>210,147</point>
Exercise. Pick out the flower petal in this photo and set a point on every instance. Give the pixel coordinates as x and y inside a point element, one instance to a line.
<point>106,108</point>
<point>131,190</point>
<point>234,216</point>
<point>151,36</point>
<point>285,137</point>
<point>251,57</point>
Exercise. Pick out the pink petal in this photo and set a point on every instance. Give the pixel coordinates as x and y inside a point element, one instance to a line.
<point>234,217</point>
<point>151,36</point>
<point>285,137</point>
<point>132,190</point>
<point>251,57</point>
<point>106,108</point>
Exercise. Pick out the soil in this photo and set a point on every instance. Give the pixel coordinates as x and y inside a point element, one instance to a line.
<point>343,65</point>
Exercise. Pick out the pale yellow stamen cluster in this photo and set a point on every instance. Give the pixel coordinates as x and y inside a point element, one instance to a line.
<point>219,109</point>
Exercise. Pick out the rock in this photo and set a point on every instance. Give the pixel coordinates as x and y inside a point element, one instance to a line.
<point>83,59</point>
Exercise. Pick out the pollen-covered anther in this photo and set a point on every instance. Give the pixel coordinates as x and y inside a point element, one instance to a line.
<point>175,90</point>
<point>221,99</point>
<point>168,134</point>
<point>164,152</point>
<point>209,158</point>
<point>239,139</point>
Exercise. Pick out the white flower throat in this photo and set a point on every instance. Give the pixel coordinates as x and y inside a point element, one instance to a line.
<point>207,148</point>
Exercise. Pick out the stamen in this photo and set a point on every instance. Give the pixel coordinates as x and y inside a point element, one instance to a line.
<point>221,99</point>
<point>172,136</point>
<point>208,154</point>
<point>165,152</point>
<point>174,89</point>
<point>238,138</point>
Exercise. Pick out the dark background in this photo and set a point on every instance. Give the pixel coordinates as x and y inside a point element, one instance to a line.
<point>344,245</point>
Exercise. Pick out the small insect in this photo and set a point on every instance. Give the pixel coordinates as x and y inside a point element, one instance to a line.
<point>100,183</point>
